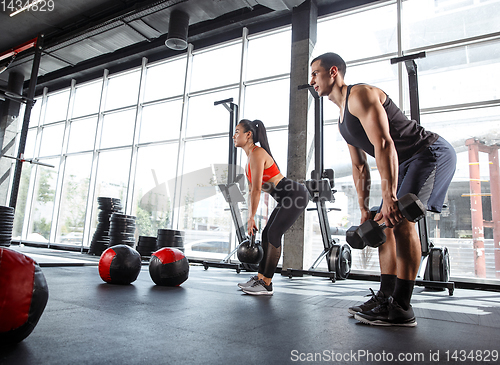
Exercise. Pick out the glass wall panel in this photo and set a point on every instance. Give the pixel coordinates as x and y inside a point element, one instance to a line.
<point>268,102</point>
<point>35,113</point>
<point>428,22</point>
<point>278,142</point>
<point>29,148</point>
<point>441,78</point>
<point>123,90</point>
<point>276,47</point>
<point>75,190</point>
<point>165,80</point>
<point>57,107</point>
<point>154,188</point>
<point>82,135</point>
<point>453,227</point>
<point>43,202</point>
<point>87,99</point>
<point>112,178</point>
<point>205,118</point>
<point>217,67</point>
<point>52,140</point>
<point>365,34</point>
<point>118,129</point>
<point>161,122</point>
<point>22,201</point>
<point>207,225</point>
<point>380,74</point>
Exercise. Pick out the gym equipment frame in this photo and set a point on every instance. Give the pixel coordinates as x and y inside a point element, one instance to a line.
<point>232,194</point>
<point>320,188</point>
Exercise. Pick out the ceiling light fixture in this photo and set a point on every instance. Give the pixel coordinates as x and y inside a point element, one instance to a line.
<point>177,30</point>
<point>25,7</point>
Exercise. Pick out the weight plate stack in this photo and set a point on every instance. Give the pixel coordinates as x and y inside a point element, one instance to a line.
<point>170,238</point>
<point>122,230</point>
<point>146,245</point>
<point>6,225</point>
<point>101,238</point>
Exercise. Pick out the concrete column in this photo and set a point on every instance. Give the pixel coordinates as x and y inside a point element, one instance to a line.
<point>304,20</point>
<point>9,112</point>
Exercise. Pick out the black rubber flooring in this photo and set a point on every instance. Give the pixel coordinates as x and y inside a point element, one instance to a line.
<point>207,320</point>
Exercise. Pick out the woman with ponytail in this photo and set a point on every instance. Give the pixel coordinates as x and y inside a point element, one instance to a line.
<point>264,175</point>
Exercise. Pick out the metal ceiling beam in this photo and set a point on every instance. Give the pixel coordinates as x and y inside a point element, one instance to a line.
<point>14,51</point>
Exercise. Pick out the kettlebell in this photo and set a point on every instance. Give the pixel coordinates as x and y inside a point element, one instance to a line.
<point>250,251</point>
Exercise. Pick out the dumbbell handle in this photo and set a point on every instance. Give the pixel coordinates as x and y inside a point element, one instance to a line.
<point>412,200</point>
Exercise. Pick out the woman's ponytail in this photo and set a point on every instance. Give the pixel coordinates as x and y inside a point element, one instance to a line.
<point>262,136</point>
<point>259,133</point>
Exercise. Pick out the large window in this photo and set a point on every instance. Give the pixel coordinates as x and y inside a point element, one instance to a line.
<point>56,107</point>
<point>74,194</point>
<point>122,90</point>
<point>268,102</point>
<point>431,22</point>
<point>202,208</point>
<point>161,122</point>
<point>82,135</point>
<point>118,129</point>
<point>441,80</point>
<point>275,47</point>
<point>43,203</point>
<point>206,119</point>
<point>87,99</point>
<point>363,34</point>
<point>154,188</point>
<point>165,80</point>
<point>52,140</point>
<point>153,137</point>
<point>217,67</point>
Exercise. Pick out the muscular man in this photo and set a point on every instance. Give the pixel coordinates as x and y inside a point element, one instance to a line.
<point>409,159</point>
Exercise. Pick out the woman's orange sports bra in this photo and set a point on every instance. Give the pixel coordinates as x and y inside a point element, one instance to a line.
<point>269,173</point>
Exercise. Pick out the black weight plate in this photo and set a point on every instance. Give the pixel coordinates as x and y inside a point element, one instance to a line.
<point>168,238</point>
<point>123,216</point>
<point>170,232</point>
<point>120,226</point>
<point>147,238</point>
<point>339,259</point>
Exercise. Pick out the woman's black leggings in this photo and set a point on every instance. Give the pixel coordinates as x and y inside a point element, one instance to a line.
<point>292,199</point>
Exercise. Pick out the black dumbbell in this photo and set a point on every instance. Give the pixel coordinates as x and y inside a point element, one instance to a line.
<point>370,233</point>
<point>355,240</point>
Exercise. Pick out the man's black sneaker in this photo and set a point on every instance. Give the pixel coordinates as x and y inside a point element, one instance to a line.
<point>374,301</point>
<point>388,313</point>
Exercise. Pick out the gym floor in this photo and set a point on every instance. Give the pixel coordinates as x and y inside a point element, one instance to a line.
<point>207,320</point>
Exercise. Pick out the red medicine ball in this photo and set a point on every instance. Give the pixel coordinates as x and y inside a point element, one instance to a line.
<point>23,295</point>
<point>120,264</point>
<point>168,267</point>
